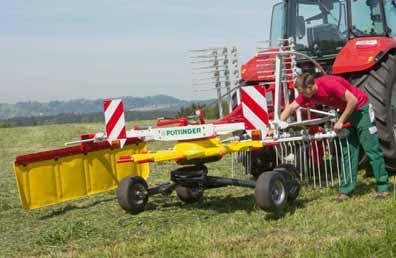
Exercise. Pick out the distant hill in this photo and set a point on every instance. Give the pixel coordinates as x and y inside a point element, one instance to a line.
<point>96,117</point>
<point>84,106</point>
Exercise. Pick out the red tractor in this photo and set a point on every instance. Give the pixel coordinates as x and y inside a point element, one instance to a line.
<point>351,38</point>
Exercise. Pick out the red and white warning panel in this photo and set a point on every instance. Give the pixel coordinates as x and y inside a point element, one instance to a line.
<point>115,120</point>
<point>254,107</point>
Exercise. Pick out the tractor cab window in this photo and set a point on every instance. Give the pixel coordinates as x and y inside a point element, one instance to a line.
<point>319,26</point>
<point>367,18</point>
<point>277,25</point>
<point>390,13</point>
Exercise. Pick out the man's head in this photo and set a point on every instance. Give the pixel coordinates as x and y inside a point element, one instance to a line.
<point>305,85</point>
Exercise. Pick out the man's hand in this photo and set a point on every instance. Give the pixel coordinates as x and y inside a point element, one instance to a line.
<point>338,126</point>
<point>290,109</point>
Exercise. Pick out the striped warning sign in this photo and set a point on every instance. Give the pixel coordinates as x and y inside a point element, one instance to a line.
<point>115,120</point>
<point>254,107</point>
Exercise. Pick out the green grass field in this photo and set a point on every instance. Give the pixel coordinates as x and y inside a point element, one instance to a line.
<point>226,224</point>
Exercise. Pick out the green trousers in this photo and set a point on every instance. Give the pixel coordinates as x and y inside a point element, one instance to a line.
<point>363,133</point>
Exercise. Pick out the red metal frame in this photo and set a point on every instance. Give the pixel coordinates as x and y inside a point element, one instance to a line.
<point>69,151</point>
<point>176,121</point>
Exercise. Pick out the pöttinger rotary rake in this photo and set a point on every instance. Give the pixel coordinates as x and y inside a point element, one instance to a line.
<point>304,149</point>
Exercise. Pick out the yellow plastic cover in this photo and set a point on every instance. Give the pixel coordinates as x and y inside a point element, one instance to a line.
<point>53,181</point>
<point>197,149</point>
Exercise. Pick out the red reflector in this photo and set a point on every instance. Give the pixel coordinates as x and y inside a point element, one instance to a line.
<point>125,159</point>
<point>145,161</point>
<point>181,158</point>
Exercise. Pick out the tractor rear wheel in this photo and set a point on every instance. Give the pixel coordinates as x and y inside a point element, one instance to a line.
<point>379,83</point>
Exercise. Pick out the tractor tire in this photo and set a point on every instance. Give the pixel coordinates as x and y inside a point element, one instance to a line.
<point>189,194</point>
<point>379,83</point>
<point>271,191</point>
<point>132,194</point>
<point>290,174</point>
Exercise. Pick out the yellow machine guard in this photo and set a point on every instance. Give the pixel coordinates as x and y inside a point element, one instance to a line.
<point>203,148</point>
<point>54,181</point>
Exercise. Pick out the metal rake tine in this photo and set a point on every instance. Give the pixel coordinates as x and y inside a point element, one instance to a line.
<point>291,150</point>
<point>349,160</point>
<point>330,161</point>
<point>300,158</point>
<point>305,165</point>
<point>280,153</point>
<point>317,160</point>
<point>281,156</point>
<point>294,153</point>
<point>287,144</point>
<point>325,162</point>
<point>285,152</point>
<point>308,158</point>
<point>337,160</point>
<point>298,164</point>
<point>286,148</point>
<point>313,164</point>
<point>342,160</point>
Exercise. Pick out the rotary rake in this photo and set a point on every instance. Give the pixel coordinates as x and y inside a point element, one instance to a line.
<point>304,148</point>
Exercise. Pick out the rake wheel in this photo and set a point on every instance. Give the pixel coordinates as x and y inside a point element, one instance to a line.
<point>271,191</point>
<point>289,173</point>
<point>132,194</point>
<point>189,194</point>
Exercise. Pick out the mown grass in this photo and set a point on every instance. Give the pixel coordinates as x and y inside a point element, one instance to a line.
<point>226,224</point>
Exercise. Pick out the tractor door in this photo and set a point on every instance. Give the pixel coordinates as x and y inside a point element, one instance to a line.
<point>367,18</point>
<point>390,14</point>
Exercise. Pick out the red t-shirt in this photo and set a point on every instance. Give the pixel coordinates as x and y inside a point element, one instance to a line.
<point>330,91</point>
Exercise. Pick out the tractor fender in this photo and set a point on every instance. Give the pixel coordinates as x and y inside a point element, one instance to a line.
<point>362,53</point>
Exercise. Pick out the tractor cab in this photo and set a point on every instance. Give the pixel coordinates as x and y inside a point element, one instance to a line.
<point>321,28</point>
<point>355,39</point>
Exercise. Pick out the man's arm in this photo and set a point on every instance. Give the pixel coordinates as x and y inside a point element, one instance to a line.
<point>290,109</point>
<point>351,101</point>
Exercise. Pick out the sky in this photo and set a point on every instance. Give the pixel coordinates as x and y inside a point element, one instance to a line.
<point>68,49</point>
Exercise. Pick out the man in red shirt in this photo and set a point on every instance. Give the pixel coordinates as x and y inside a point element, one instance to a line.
<point>335,91</point>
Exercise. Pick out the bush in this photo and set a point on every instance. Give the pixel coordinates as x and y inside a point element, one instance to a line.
<point>6,125</point>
